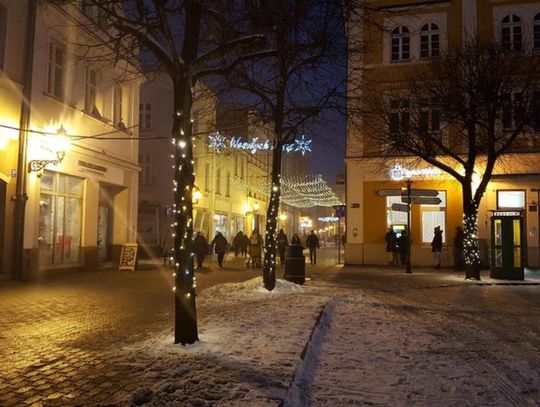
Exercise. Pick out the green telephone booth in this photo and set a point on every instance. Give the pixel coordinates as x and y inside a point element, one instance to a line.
<point>508,245</point>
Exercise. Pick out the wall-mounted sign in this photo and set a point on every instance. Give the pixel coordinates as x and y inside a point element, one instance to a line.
<point>255,144</point>
<point>398,172</point>
<point>355,205</point>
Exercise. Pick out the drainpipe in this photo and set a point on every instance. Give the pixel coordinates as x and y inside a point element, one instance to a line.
<point>21,195</point>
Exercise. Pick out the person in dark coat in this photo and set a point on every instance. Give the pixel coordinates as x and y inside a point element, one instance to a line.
<point>296,240</point>
<point>402,247</point>
<point>391,247</point>
<point>255,249</point>
<point>220,247</point>
<point>200,246</point>
<point>237,243</point>
<point>244,244</point>
<point>282,243</point>
<point>436,246</point>
<point>458,249</point>
<point>312,242</point>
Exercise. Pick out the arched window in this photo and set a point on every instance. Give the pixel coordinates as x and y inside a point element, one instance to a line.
<point>401,44</point>
<point>537,32</point>
<point>511,33</point>
<point>429,41</point>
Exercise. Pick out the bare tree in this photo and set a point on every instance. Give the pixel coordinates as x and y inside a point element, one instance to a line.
<point>183,39</point>
<point>462,113</point>
<point>293,85</point>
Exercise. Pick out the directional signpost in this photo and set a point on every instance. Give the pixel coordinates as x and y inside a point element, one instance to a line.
<point>410,196</point>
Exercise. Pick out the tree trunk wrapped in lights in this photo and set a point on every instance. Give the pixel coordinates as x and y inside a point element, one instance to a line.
<point>270,244</point>
<point>471,244</point>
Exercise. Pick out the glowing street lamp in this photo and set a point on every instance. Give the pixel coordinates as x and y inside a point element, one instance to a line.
<point>53,148</point>
<point>196,196</point>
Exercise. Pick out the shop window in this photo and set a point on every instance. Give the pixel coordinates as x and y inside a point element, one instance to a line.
<point>429,41</point>
<point>510,199</point>
<point>400,44</point>
<point>511,33</point>
<point>394,217</point>
<point>433,216</point>
<point>220,224</point>
<point>55,83</point>
<point>60,211</point>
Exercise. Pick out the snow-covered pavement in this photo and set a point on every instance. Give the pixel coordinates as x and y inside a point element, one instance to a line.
<point>322,345</point>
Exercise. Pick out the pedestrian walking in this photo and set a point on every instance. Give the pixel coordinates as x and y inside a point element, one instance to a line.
<point>295,240</point>
<point>312,242</point>
<point>255,249</point>
<point>200,246</point>
<point>220,247</point>
<point>391,247</point>
<point>282,244</point>
<point>237,243</point>
<point>402,247</point>
<point>244,244</point>
<point>166,248</point>
<point>436,246</point>
<point>458,249</point>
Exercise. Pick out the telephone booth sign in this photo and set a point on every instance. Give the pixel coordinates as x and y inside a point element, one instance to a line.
<point>507,245</point>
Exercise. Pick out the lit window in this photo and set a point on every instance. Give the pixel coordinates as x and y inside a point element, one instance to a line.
<point>118,106</point>
<point>511,33</point>
<point>510,199</point>
<point>55,84</point>
<point>429,41</point>
<point>433,216</point>
<point>394,217</point>
<point>400,44</point>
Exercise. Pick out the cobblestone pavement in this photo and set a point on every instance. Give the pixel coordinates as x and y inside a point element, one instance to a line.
<point>58,338</point>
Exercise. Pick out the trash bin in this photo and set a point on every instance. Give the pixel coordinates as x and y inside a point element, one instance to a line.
<point>295,264</point>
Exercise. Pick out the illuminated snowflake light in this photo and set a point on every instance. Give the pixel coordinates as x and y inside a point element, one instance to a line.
<point>302,145</point>
<point>217,142</point>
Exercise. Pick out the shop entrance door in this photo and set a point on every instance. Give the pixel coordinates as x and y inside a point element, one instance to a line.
<point>508,245</point>
<point>3,187</point>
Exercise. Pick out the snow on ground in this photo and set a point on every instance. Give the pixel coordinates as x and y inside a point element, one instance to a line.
<point>325,346</point>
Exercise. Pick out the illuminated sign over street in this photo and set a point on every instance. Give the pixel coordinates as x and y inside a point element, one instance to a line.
<point>255,144</point>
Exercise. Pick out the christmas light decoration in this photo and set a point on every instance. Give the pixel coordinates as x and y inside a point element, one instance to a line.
<point>219,143</point>
<point>471,248</point>
<point>301,191</point>
<point>302,145</point>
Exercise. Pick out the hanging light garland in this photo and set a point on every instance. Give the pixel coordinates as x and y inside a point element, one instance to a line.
<point>300,191</point>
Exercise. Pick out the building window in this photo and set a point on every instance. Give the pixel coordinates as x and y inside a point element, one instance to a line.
<point>429,41</point>
<point>429,118</point>
<point>537,32</point>
<point>512,112</point>
<point>511,33</point>
<point>3,32</point>
<point>60,212</point>
<point>433,216</point>
<point>145,116</point>
<point>145,177</point>
<point>207,177</point>
<point>510,199</point>
<point>399,116</point>
<point>118,119</point>
<point>394,218</point>
<point>218,181</point>
<point>55,84</point>
<point>91,92</point>
<point>228,185</point>
<point>400,44</point>
<point>220,224</point>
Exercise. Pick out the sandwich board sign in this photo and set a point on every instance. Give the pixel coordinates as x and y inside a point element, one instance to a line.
<point>128,256</point>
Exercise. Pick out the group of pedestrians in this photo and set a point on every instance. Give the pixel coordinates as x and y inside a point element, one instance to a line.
<point>396,247</point>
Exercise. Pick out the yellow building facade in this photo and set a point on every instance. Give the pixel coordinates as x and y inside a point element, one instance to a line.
<point>415,33</point>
